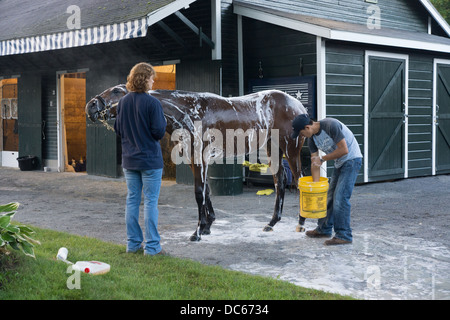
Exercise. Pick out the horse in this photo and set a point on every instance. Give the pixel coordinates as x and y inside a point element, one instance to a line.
<point>269,113</point>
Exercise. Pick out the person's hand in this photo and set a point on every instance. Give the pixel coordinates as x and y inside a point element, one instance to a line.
<point>315,161</point>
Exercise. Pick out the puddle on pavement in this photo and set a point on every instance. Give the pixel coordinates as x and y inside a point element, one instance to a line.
<point>373,267</point>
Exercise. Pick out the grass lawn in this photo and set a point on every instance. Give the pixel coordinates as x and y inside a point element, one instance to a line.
<point>132,276</point>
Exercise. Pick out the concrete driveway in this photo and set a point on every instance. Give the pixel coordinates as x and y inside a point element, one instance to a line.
<point>401,231</point>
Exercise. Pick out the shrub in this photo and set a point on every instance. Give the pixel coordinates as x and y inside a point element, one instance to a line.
<point>16,236</point>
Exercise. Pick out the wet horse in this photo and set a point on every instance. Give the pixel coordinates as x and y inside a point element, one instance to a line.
<point>207,117</point>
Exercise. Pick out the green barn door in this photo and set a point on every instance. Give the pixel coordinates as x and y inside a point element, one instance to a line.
<point>443,118</point>
<point>103,151</point>
<point>30,116</point>
<point>386,118</point>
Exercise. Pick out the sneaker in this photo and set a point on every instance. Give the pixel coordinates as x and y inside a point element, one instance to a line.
<point>336,241</point>
<point>316,234</point>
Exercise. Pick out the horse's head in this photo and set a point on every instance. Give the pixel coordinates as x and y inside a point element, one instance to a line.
<point>103,106</point>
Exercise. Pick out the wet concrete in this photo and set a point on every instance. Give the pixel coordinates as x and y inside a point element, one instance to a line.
<point>401,231</point>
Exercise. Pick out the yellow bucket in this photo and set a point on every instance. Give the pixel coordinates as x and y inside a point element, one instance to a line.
<point>313,197</point>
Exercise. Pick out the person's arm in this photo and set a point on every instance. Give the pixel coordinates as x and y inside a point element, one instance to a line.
<point>315,166</point>
<point>158,123</point>
<point>340,151</point>
<point>117,122</point>
<point>316,161</point>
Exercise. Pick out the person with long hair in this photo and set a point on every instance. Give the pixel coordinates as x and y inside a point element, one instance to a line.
<point>140,123</point>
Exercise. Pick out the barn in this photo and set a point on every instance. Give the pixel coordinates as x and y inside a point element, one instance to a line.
<point>60,54</point>
<point>380,66</point>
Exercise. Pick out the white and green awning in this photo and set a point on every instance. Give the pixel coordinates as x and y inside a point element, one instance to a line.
<point>75,38</point>
<point>42,26</point>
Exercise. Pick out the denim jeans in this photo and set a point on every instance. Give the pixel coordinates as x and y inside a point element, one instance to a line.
<point>338,200</point>
<point>148,181</point>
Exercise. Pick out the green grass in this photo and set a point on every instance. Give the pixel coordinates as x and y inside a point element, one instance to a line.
<point>132,276</point>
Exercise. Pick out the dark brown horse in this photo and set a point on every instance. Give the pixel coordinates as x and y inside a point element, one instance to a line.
<point>203,119</point>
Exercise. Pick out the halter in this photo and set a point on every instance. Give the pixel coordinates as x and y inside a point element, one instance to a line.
<point>104,115</point>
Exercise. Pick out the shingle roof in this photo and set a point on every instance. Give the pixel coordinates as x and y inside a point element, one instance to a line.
<point>28,18</point>
<point>35,26</point>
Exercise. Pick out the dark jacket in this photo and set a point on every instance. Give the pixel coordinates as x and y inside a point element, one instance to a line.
<point>141,124</point>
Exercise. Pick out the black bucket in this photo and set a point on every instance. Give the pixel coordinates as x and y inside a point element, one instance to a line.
<point>225,179</point>
<point>28,163</point>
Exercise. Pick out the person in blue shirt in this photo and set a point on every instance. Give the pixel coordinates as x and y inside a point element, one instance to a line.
<point>140,123</point>
<point>338,143</point>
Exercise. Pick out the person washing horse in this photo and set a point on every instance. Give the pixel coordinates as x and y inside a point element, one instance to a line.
<point>339,144</point>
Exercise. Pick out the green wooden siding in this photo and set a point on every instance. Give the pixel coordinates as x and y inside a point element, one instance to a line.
<point>49,117</point>
<point>198,75</point>
<point>420,115</point>
<point>397,14</point>
<point>345,91</point>
<point>282,52</point>
<point>201,76</point>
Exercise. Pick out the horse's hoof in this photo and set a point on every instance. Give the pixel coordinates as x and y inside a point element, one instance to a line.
<point>300,228</point>
<point>206,232</point>
<point>267,228</point>
<point>195,237</point>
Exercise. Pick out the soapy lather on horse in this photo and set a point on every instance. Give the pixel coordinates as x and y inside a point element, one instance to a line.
<point>200,121</point>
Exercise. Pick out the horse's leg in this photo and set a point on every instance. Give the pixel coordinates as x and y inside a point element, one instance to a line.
<point>210,215</point>
<point>280,186</point>
<point>295,163</point>
<point>198,191</point>
<point>206,214</point>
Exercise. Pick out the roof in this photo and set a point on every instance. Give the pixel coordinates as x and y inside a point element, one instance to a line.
<point>339,30</point>
<point>43,25</point>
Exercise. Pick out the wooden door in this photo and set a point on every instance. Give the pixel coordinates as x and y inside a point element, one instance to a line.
<point>103,150</point>
<point>386,118</point>
<point>30,115</point>
<point>442,118</point>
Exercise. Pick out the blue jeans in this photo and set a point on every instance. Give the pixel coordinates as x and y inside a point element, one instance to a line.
<point>338,200</point>
<point>148,181</point>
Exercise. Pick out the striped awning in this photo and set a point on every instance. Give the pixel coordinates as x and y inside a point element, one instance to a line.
<point>76,38</point>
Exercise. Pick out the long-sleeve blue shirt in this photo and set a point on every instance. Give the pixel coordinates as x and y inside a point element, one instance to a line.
<point>141,124</point>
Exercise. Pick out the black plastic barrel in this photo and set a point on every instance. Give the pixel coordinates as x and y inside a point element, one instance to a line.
<point>28,163</point>
<point>225,179</point>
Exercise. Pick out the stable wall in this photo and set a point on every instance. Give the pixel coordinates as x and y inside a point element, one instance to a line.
<point>272,51</point>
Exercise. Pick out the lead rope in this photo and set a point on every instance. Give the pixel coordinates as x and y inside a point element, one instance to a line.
<point>103,115</point>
